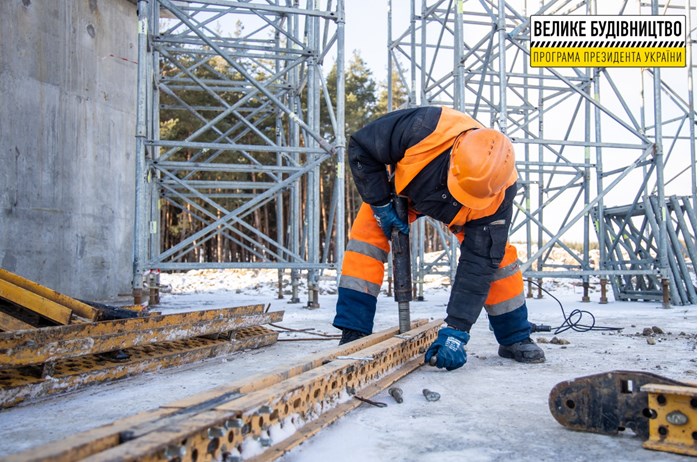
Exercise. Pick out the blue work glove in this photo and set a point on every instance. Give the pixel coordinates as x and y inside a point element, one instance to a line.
<point>387,218</point>
<point>449,349</point>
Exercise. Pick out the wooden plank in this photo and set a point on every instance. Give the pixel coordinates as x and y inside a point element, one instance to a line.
<point>53,343</point>
<point>10,323</point>
<point>87,443</point>
<point>36,303</point>
<point>689,390</point>
<point>78,307</point>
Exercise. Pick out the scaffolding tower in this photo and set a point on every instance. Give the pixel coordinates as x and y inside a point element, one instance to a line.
<point>247,79</point>
<point>595,146</point>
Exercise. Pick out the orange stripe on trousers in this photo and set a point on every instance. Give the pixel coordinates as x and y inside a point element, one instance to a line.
<point>365,229</point>
<point>363,267</point>
<point>509,287</point>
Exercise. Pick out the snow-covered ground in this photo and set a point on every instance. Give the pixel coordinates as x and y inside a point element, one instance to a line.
<point>490,410</point>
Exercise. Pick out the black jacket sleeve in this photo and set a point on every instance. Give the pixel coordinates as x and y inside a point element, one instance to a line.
<point>482,250</point>
<point>384,142</point>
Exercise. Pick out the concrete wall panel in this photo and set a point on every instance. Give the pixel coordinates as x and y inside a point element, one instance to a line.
<point>67,121</point>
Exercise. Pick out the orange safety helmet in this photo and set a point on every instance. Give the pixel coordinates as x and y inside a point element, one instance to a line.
<point>482,164</point>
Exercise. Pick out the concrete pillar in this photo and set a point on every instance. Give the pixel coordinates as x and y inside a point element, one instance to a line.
<point>68,86</point>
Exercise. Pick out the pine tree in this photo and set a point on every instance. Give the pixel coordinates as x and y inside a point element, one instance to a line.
<point>360,94</point>
<point>399,92</point>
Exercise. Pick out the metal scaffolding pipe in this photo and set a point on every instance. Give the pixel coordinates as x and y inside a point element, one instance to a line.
<point>253,147</point>
<point>582,121</point>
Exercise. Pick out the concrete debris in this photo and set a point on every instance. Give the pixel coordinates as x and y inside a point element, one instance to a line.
<point>396,393</point>
<point>554,340</point>
<point>651,331</point>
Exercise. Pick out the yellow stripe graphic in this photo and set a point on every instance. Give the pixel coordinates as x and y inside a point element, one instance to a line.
<point>608,57</point>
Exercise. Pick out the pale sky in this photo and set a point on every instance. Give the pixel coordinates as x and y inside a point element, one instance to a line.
<point>366,26</point>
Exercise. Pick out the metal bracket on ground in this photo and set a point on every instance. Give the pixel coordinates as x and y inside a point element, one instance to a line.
<point>642,402</point>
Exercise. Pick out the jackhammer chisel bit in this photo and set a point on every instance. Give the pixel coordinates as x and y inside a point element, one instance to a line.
<point>372,402</point>
<point>400,246</point>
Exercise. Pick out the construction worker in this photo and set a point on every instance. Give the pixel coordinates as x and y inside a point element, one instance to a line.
<point>452,169</point>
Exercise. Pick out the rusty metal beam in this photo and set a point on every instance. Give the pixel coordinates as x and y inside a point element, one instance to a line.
<point>274,376</point>
<point>37,346</point>
<point>9,323</point>
<point>81,309</point>
<point>307,431</point>
<point>26,383</point>
<point>215,425</point>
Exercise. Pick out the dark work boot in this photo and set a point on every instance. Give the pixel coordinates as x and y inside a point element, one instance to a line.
<point>349,335</point>
<point>525,351</point>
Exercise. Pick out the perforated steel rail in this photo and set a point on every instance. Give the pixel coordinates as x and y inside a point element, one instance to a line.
<point>42,361</point>
<point>35,346</point>
<point>256,419</point>
<point>21,384</point>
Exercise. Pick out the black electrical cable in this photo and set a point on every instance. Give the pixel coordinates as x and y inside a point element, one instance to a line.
<point>575,325</point>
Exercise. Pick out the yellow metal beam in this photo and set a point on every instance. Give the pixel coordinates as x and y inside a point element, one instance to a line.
<point>672,418</point>
<point>37,346</point>
<point>34,302</point>
<point>81,309</point>
<point>260,381</point>
<point>312,428</point>
<point>247,420</point>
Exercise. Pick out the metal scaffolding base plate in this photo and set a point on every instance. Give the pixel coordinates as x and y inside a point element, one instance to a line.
<point>242,421</point>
